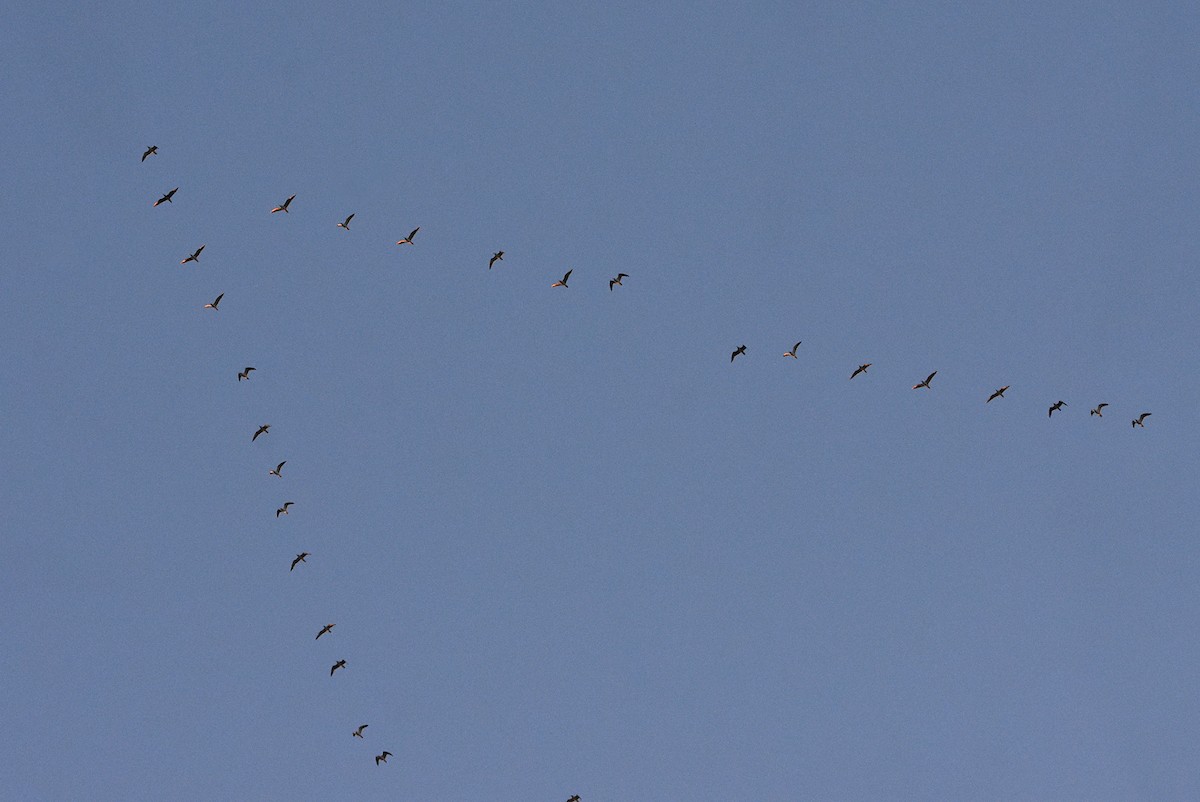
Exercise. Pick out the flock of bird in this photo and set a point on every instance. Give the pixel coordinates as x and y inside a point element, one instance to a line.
<point>265,429</point>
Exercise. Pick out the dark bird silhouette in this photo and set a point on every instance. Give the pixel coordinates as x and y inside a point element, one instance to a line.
<point>861,369</point>
<point>358,733</point>
<point>792,353</point>
<point>574,798</point>
<point>284,509</point>
<point>563,283</point>
<point>382,758</point>
<point>283,207</point>
<point>409,239</point>
<point>1055,407</point>
<point>216,302</point>
<point>167,198</point>
<point>195,257</point>
<point>264,429</point>
<point>1098,411</point>
<point>498,256</point>
<point>740,350</point>
<point>325,630</point>
<point>245,374</point>
<point>998,394</point>
<point>299,559</point>
<point>336,666</point>
<point>617,281</point>
<point>150,151</point>
<point>1140,420</point>
<point>925,383</point>
<point>346,223</point>
<point>277,470</point>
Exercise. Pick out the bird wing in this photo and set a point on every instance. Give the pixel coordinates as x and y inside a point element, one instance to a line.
<point>197,253</point>
<point>1101,406</point>
<point>289,200</point>
<point>795,347</point>
<point>219,297</point>
<point>611,282</point>
<point>622,275</point>
<point>929,378</point>
<point>279,467</point>
<point>348,219</point>
<point>413,234</point>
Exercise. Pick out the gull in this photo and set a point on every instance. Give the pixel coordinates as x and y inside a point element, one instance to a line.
<point>283,206</point>
<point>575,798</point>
<point>358,733</point>
<point>860,369</point>
<point>563,283</point>
<point>1055,407</point>
<point>324,630</point>
<point>1098,410</point>
<point>1138,421</point>
<point>195,257</point>
<point>498,256</point>
<point>336,666</point>
<point>299,559</point>
<point>382,758</point>
<point>277,470</point>
<point>998,394</point>
<point>245,374</point>
<point>284,509</point>
<point>740,350</point>
<point>617,281</point>
<point>408,240</point>
<point>346,223</point>
<point>264,429</point>
<point>167,198</point>
<point>150,151</point>
<point>792,353</point>
<point>216,302</point>
<point>925,383</point>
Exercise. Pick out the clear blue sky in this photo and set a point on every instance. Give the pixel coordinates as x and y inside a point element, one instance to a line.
<point>570,548</point>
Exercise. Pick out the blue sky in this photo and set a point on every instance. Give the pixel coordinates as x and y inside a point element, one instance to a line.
<point>570,548</point>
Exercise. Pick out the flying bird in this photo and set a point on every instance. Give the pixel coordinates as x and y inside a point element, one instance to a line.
<point>264,429</point>
<point>358,733</point>
<point>150,151</point>
<point>324,630</point>
<point>284,509</point>
<point>336,666</point>
<point>1139,420</point>
<point>861,369</point>
<point>382,758</point>
<point>245,374</point>
<point>498,256</point>
<point>1055,407</point>
<point>574,798</point>
<point>563,283</point>
<point>283,207</point>
<point>166,198</point>
<point>617,281</point>
<point>408,240</point>
<point>217,302</point>
<point>299,559</point>
<point>277,470</point>
<point>792,353</point>
<point>1098,410</point>
<point>998,394</point>
<point>925,383</point>
<point>741,349</point>
<point>346,223</point>
<point>195,257</point>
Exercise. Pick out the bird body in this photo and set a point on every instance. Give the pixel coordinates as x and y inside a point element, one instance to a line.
<point>216,302</point>
<point>616,281</point>
<point>1140,420</point>
<point>563,283</point>
<point>1098,411</point>
<point>264,429</point>
<point>194,257</point>
<point>792,353</point>
<point>336,666</point>
<point>150,151</point>
<point>409,239</point>
<point>167,197</point>
<point>278,468</point>
<point>998,394</point>
<point>324,630</point>
<point>283,207</point>
<point>861,369</point>
<point>299,559</point>
<point>284,509</point>
<point>1055,407</point>
<point>925,383</point>
<point>245,374</point>
<point>346,223</point>
<point>739,351</point>
<point>498,256</point>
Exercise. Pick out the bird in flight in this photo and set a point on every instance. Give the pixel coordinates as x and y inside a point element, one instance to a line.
<point>1098,411</point>
<point>195,257</point>
<point>574,798</point>
<point>216,302</point>
<point>1139,420</point>
<point>284,509</point>
<point>277,470</point>
<point>925,383</point>
<point>617,281</point>
<point>336,666</point>
<point>166,198</point>
<point>382,758</point>
<point>358,733</point>
<point>563,283</point>
<point>245,374</point>
<point>264,429</point>
<point>151,150</point>
<point>283,207</point>
<point>498,256</point>
<point>1055,407</point>
<point>346,223</point>
<point>740,350</point>
<point>324,630</point>
<point>861,369</point>
<point>408,240</point>
<point>299,559</point>
<point>998,394</point>
<point>792,353</point>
